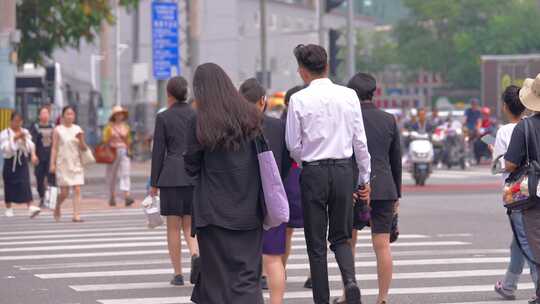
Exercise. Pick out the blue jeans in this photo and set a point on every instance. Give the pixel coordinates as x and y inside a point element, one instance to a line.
<point>517,259</point>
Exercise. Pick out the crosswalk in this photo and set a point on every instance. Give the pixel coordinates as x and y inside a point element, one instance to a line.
<point>112,258</point>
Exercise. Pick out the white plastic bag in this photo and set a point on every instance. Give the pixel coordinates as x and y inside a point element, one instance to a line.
<point>51,196</point>
<point>150,206</point>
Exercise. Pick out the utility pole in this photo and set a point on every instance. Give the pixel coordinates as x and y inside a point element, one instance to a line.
<point>350,40</point>
<point>264,69</point>
<point>194,34</point>
<point>321,9</point>
<point>9,37</point>
<point>105,70</point>
<point>117,53</point>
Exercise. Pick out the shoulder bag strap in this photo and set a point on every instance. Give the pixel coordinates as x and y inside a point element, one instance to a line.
<point>526,126</point>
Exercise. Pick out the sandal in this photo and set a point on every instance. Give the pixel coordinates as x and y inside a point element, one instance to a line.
<point>129,201</point>
<point>77,220</point>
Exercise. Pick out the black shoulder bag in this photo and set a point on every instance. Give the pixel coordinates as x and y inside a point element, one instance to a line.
<point>520,191</point>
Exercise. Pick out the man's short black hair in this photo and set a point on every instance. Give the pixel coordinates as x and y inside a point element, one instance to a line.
<point>510,97</point>
<point>252,90</point>
<point>364,85</point>
<point>312,57</point>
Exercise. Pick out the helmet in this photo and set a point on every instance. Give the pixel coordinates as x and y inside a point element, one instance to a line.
<point>486,111</point>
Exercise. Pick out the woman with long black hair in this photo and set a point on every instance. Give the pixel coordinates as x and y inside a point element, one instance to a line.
<point>227,214</point>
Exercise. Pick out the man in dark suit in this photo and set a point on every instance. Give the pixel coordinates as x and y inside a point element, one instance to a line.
<point>384,147</point>
<point>273,239</point>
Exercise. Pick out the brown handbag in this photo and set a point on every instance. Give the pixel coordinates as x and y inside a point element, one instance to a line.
<point>105,154</point>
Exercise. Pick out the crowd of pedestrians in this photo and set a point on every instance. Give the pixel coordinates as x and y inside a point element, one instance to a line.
<point>60,154</point>
<point>322,148</point>
<point>339,158</point>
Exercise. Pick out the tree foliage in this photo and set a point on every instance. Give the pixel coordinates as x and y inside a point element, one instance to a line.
<point>46,25</point>
<point>449,36</point>
<point>375,51</point>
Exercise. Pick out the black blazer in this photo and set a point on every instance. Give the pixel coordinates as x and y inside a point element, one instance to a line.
<point>169,147</point>
<point>274,132</point>
<point>384,147</point>
<point>227,185</point>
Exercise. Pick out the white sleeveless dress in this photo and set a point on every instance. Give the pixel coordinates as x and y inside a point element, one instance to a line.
<point>69,168</point>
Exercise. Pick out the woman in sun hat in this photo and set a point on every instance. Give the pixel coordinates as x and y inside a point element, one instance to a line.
<point>117,134</point>
<point>516,156</point>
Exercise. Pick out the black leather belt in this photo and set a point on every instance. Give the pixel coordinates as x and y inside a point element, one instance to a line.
<point>328,162</point>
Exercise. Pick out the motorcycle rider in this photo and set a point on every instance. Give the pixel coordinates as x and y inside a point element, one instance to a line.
<point>422,125</point>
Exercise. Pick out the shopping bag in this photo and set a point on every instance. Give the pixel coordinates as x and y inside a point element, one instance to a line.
<point>150,206</point>
<point>276,205</point>
<point>51,196</point>
<point>87,157</point>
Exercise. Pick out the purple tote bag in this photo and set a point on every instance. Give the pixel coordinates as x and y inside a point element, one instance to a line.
<point>275,199</point>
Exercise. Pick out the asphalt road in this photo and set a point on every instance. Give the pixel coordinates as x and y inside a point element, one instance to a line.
<point>452,249</point>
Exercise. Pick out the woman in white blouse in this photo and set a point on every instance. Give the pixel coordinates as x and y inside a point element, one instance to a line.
<point>17,148</point>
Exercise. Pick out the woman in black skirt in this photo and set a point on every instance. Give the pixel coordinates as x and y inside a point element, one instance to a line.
<point>168,174</point>
<point>17,148</point>
<point>227,213</point>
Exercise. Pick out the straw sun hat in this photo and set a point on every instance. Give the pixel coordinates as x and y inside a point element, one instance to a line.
<point>530,94</point>
<point>118,110</point>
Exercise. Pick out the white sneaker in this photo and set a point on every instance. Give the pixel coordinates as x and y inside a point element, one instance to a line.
<point>33,211</point>
<point>9,212</point>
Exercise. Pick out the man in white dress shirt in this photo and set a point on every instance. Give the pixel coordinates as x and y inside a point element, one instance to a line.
<point>324,128</point>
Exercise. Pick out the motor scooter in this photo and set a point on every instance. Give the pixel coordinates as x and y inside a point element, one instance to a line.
<point>420,156</point>
<point>454,149</point>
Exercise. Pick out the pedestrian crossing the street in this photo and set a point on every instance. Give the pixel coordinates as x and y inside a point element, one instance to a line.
<point>112,258</point>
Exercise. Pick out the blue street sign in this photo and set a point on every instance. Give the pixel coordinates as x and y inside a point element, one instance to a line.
<point>165,39</point>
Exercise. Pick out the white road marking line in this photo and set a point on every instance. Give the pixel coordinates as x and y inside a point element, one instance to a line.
<point>61,230</point>
<point>292,257</point>
<point>302,266</point>
<point>158,244</point>
<point>82,255</point>
<point>68,237</point>
<point>153,235</point>
<point>140,221</point>
<point>301,279</point>
<point>496,302</point>
<point>336,293</point>
<point>441,235</point>
<point>404,244</point>
<point>78,247</point>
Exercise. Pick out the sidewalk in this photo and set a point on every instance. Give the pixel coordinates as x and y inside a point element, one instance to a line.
<point>94,177</point>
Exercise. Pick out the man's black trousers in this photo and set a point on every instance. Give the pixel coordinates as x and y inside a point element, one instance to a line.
<point>327,188</point>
